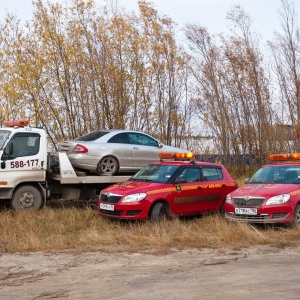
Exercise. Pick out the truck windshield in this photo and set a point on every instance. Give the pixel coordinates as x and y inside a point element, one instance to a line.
<point>4,134</point>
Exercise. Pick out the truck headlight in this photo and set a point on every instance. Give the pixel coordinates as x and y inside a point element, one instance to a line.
<point>279,199</point>
<point>134,197</point>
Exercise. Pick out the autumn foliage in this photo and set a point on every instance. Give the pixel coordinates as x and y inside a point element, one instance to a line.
<point>81,66</point>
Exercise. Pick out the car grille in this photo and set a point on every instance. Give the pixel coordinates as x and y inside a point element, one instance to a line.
<point>111,213</point>
<point>248,201</point>
<point>110,198</point>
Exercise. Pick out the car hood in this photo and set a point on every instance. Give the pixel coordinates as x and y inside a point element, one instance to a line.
<point>264,190</point>
<point>132,187</point>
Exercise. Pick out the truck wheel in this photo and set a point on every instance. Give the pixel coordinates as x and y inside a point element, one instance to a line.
<point>108,165</point>
<point>296,221</point>
<point>158,212</point>
<point>27,198</point>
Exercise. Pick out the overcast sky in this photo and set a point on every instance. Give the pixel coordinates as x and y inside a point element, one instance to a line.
<point>208,13</point>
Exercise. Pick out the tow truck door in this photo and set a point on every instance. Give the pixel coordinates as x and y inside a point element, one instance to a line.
<point>24,158</point>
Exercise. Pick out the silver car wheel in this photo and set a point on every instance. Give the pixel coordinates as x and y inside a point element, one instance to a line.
<point>108,165</point>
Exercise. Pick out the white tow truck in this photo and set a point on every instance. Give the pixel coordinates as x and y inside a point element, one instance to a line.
<point>29,174</point>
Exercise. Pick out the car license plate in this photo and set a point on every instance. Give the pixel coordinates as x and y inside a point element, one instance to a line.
<point>245,211</point>
<point>107,206</point>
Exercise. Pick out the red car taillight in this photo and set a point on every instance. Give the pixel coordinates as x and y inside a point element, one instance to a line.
<point>80,149</point>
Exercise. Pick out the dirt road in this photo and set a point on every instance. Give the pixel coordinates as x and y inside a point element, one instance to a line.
<point>255,273</point>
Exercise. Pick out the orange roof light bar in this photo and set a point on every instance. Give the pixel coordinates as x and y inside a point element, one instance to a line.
<point>176,155</point>
<point>295,156</point>
<point>292,156</point>
<point>188,155</point>
<point>20,123</point>
<point>166,155</point>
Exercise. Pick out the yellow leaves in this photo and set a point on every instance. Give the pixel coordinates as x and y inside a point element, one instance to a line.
<point>147,11</point>
<point>79,68</point>
<point>82,5</point>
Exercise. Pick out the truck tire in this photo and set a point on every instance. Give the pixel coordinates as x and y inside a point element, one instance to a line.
<point>27,197</point>
<point>108,165</point>
<point>158,212</point>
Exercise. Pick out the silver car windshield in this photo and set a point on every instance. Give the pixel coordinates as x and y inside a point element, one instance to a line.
<point>4,134</point>
<point>155,173</point>
<point>276,174</point>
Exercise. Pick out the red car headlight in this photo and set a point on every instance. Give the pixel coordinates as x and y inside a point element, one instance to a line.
<point>228,199</point>
<point>134,197</point>
<point>279,199</point>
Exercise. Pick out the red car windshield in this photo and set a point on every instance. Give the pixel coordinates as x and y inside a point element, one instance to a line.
<point>276,174</point>
<point>155,173</point>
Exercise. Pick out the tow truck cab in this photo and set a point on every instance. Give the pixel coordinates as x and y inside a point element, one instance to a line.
<point>29,174</point>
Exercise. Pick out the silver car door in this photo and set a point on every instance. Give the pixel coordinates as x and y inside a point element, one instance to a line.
<point>144,149</point>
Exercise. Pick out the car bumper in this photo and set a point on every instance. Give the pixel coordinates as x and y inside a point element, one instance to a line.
<point>89,163</point>
<point>133,211</point>
<point>265,215</point>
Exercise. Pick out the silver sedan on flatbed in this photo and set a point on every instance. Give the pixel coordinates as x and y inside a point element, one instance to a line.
<point>114,151</point>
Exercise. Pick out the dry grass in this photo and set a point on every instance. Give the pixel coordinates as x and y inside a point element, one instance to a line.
<point>81,229</point>
<point>240,181</point>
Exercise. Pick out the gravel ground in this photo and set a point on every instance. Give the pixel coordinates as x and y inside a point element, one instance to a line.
<point>253,273</point>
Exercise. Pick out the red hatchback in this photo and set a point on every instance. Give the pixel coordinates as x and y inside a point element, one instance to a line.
<point>168,188</point>
<point>271,195</point>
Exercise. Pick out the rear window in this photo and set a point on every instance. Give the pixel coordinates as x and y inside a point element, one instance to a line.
<point>92,136</point>
<point>212,173</point>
